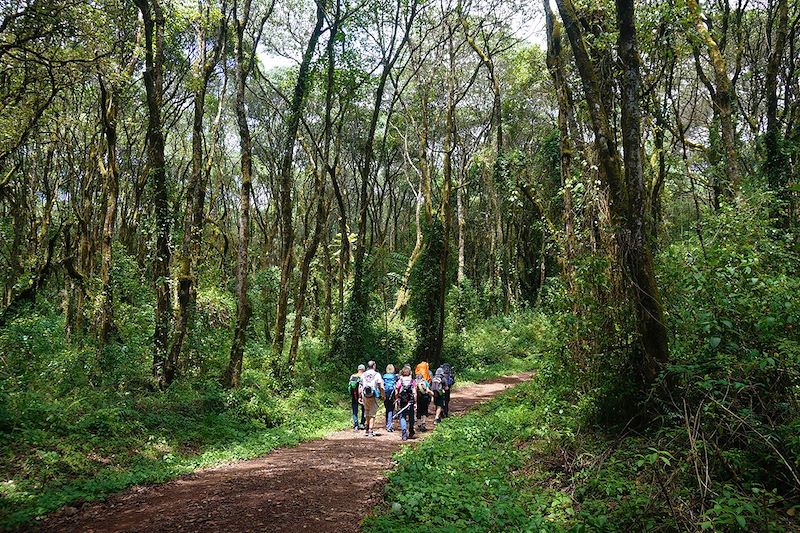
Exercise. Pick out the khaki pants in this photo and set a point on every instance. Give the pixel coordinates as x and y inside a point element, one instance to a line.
<point>371,407</point>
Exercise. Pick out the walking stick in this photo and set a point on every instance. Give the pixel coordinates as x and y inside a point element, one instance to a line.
<point>398,413</point>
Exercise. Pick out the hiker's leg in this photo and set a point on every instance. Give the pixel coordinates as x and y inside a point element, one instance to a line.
<point>389,413</point>
<point>411,420</point>
<point>438,401</point>
<point>403,425</point>
<point>363,417</point>
<point>447,403</point>
<point>354,407</point>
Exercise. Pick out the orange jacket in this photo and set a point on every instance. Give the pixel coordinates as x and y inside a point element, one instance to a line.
<point>425,370</point>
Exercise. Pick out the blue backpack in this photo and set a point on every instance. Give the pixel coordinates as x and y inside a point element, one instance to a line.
<point>389,381</point>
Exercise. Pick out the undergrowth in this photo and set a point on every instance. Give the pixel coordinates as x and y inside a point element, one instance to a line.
<point>77,427</point>
<point>712,445</point>
<point>528,461</point>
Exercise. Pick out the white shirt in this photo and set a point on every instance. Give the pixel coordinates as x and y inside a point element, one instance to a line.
<point>372,376</point>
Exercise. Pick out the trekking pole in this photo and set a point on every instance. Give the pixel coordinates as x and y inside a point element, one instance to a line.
<point>398,413</point>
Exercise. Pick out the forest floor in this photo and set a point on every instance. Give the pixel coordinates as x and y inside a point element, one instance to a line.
<point>327,484</point>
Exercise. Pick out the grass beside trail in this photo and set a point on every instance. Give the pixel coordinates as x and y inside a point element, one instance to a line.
<point>470,475</point>
<point>525,461</point>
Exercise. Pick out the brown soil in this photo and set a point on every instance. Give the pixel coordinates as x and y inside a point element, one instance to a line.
<point>309,487</point>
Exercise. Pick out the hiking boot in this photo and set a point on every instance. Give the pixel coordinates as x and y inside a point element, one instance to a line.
<point>423,429</point>
<point>436,422</point>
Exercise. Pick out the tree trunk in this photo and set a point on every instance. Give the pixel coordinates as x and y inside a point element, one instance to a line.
<point>461,210</point>
<point>565,111</point>
<point>287,231</point>
<point>359,293</point>
<point>243,308</point>
<point>196,192</point>
<point>328,305</point>
<point>776,162</point>
<point>722,98</point>
<point>445,207</point>
<point>424,199</point>
<point>154,22</point>
<point>650,315</point>
<point>110,171</point>
<point>305,272</point>
<point>626,191</point>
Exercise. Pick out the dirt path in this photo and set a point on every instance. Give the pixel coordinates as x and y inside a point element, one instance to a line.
<point>313,486</point>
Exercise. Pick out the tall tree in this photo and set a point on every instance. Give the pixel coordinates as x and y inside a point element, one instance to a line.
<point>154,21</point>
<point>321,172</point>
<point>776,162</point>
<point>245,60</point>
<point>721,92</point>
<point>391,50</point>
<point>193,221</point>
<point>625,188</point>
<point>565,116</point>
<point>286,181</point>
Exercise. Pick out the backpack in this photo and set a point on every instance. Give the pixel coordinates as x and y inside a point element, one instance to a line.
<point>389,381</point>
<point>424,370</point>
<point>438,385</point>
<point>449,375</point>
<point>406,391</point>
<point>355,381</point>
<point>369,388</point>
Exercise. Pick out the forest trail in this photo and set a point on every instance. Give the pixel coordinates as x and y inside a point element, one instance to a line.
<point>327,484</point>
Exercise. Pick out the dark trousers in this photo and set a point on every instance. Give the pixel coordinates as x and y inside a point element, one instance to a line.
<point>354,405</point>
<point>423,404</point>
<point>446,408</point>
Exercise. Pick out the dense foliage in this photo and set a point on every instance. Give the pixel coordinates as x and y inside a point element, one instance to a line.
<point>211,211</point>
<point>720,454</point>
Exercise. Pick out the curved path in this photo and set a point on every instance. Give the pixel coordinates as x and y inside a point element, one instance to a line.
<point>326,484</point>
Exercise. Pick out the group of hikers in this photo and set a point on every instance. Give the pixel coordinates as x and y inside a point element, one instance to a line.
<point>405,395</point>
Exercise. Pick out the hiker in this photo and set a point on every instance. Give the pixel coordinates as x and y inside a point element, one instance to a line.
<point>371,393</point>
<point>450,379</point>
<point>443,380</point>
<point>423,370</point>
<point>404,392</point>
<point>424,396</point>
<point>389,380</point>
<point>355,397</point>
